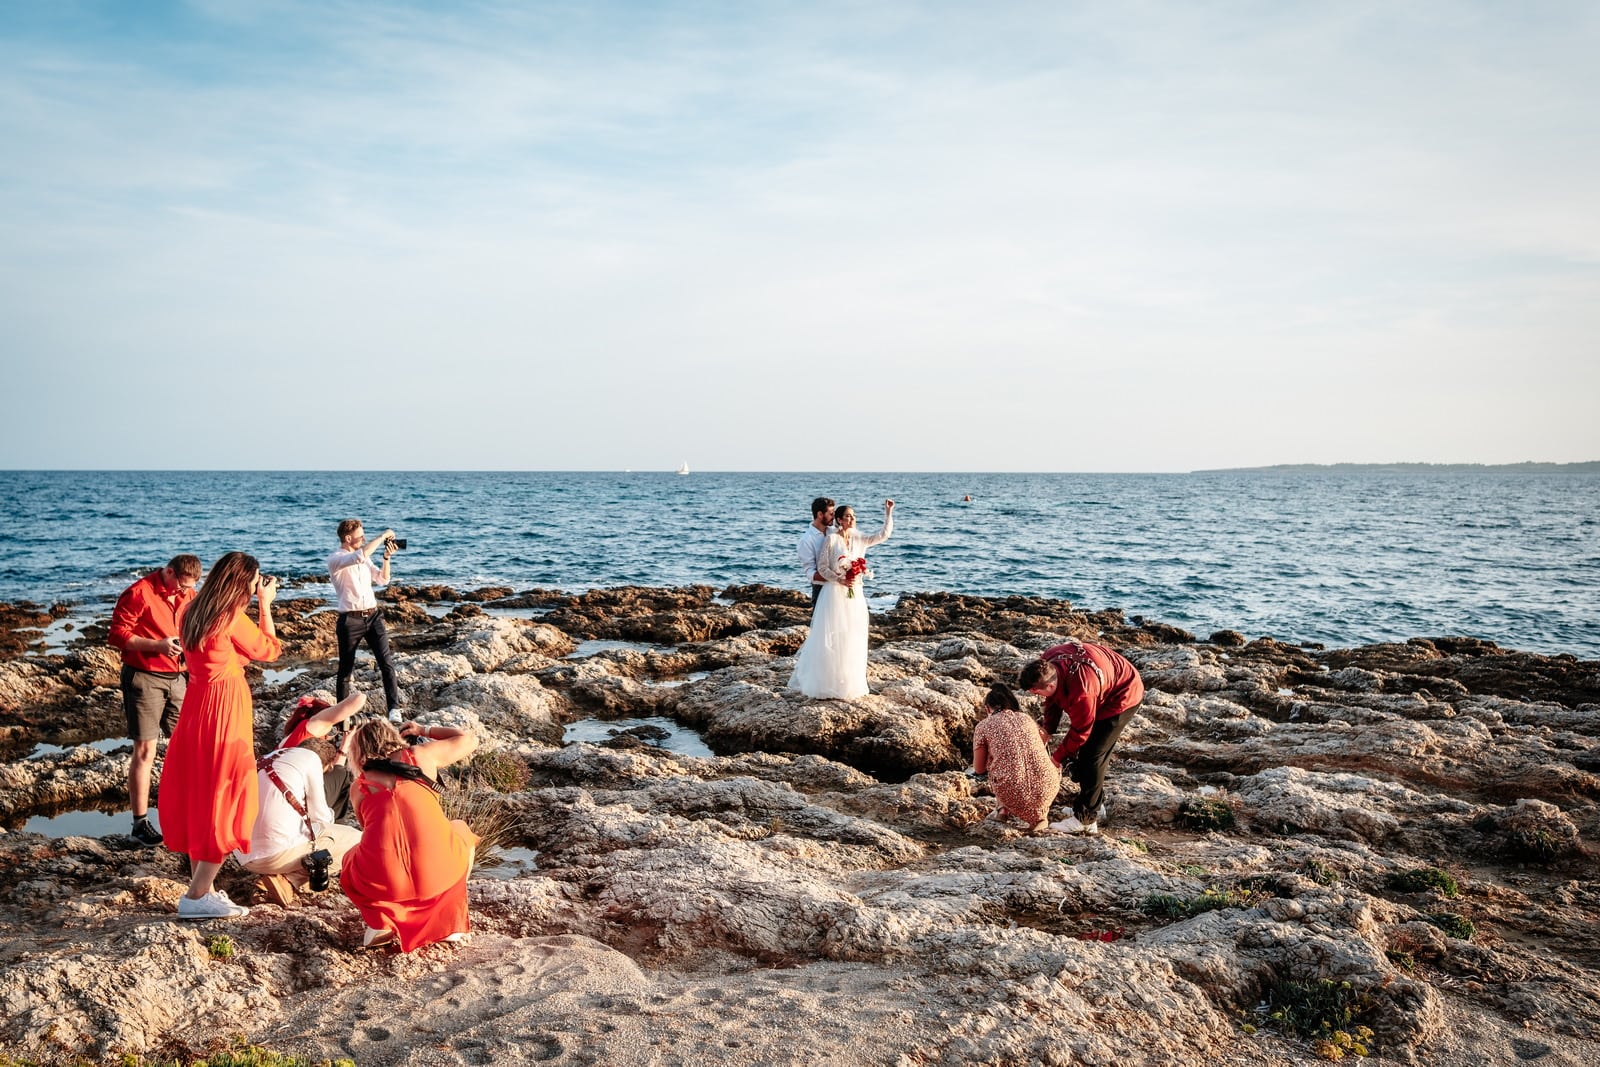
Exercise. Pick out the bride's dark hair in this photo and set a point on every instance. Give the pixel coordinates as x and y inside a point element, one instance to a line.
<point>1001,698</point>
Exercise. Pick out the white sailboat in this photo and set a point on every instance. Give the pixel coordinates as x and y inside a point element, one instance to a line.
<point>684,469</point>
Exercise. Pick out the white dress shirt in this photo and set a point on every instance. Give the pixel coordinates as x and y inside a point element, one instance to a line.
<point>811,553</point>
<point>352,575</point>
<point>278,826</point>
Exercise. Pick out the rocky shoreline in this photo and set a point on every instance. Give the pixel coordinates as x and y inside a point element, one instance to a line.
<point>1303,842</point>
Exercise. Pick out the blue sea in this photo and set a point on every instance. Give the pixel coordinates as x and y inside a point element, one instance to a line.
<point>1339,558</point>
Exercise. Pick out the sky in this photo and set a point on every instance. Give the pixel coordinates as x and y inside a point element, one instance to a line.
<point>867,236</point>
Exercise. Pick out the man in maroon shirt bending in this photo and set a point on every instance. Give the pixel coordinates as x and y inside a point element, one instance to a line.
<point>1097,691</point>
<point>144,628</point>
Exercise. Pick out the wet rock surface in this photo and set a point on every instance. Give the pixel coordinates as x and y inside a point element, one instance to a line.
<point>1405,829</point>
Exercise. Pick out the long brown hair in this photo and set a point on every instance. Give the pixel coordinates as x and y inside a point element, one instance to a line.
<point>225,593</point>
<point>378,740</point>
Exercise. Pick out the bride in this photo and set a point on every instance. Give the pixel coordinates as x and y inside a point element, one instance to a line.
<point>833,661</point>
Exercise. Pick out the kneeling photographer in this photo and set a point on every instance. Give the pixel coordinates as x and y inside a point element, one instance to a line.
<point>295,844</point>
<point>353,573</point>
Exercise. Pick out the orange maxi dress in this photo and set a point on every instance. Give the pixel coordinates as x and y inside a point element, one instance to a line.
<point>409,873</point>
<point>207,796</point>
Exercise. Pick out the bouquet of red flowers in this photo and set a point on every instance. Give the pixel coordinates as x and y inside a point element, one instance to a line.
<point>856,568</point>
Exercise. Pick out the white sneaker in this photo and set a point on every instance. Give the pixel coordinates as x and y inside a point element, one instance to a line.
<point>395,716</point>
<point>214,905</point>
<point>371,938</point>
<point>1073,825</point>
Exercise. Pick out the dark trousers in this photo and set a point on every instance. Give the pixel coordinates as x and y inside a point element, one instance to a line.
<point>336,787</point>
<point>353,628</point>
<point>816,591</point>
<point>1089,765</point>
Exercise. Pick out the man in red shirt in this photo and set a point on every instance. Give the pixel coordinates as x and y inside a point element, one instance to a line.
<point>144,628</point>
<point>1098,691</point>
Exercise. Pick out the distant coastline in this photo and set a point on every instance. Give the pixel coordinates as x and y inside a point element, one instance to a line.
<point>1589,467</point>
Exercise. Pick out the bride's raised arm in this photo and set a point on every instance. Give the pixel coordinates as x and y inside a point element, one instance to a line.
<point>863,543</point>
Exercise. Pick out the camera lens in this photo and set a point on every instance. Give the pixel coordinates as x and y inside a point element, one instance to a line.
<point>317,864</point>
<point>398,542</point>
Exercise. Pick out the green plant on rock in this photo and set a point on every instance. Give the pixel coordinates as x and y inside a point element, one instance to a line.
<point>1167,906</point>
<point>1342,1043</point>
<point>1135,844</point>
<point>1402,959</point>
<point>1535,846</point>
<point>500,771</point>
<point>1321,873</point>
<point>1206,814</point>
<point>1423,880</point>
<point>240,1054</point>
<point>1215,899</point>
<point>220,946</point>
<point>1164,906</point>
<point>1319,1009</point>
<point>1457,926</point>
<point>487,814</point>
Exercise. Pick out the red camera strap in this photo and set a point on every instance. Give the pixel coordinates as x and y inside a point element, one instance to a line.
<point>264,764</point>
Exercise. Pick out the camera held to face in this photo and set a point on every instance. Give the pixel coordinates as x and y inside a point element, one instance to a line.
<point>396,542</point>
<point>318,864</point>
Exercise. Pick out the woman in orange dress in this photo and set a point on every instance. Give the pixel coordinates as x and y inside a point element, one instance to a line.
<point>208,783</point>
<point>408,876</point>
<point>1009,747</point>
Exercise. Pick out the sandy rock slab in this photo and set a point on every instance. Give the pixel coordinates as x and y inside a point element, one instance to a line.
<point>1407,822</point>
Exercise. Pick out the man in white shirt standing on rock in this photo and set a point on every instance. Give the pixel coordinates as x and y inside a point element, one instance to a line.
<point>360,619</point>
<point>294,820</point>
<point>811,543</point>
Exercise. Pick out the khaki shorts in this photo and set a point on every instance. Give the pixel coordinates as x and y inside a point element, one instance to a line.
<point>151,702</point>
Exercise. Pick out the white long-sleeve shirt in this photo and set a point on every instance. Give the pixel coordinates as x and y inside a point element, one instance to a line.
<point>278,826</point>
<point>811,543</point>
<point>352,574</point>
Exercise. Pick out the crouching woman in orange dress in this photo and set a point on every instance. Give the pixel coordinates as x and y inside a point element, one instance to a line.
<point>208,784</point>
<point>408,876</point>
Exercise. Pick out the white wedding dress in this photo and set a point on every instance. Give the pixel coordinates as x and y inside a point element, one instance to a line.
<point>833,661</point>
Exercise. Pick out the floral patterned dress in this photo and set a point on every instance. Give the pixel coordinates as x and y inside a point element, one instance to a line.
<point>1023,778</point>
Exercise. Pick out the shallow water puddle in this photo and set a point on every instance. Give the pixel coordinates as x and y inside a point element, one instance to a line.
<point>269,676</point>
<point>653,730</point>
<point>673,683</point>
<point>586,649</point>
<point>105,744</point>
<point>54,637</point>
<point>510,863</point>
<point>89,823</point>
<point>517,613</point>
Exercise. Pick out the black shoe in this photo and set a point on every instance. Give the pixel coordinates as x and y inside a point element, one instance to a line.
<point>144,833</point>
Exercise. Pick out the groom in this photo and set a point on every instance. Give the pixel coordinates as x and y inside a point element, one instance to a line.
<point>811,543</point>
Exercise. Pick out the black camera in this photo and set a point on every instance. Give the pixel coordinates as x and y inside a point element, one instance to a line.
<point>397,542</point>
<point>317,865</point>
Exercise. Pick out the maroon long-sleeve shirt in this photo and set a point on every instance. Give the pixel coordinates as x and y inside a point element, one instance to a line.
<point>1092,683</point>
